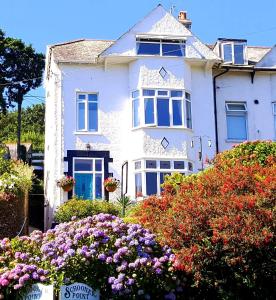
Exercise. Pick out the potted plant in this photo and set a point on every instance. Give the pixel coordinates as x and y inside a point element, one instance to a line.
<point>66,183</point>
<point>111,184</point>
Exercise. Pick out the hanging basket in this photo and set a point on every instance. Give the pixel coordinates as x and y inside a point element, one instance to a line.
<point>111,188</point>
<point>67,187</point>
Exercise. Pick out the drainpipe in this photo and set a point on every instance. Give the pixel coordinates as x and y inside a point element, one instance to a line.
<point>215,106</point>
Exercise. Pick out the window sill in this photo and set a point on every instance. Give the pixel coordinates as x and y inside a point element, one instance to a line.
<point>234,141</point>
<point>87,133</point>
<point>162,127</point>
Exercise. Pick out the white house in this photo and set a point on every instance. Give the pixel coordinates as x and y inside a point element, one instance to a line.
<point>133,107</point>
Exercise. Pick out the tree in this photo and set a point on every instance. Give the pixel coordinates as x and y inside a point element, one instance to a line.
<point>33,126</point>
<point>22,68</point>
<point>3,106</point>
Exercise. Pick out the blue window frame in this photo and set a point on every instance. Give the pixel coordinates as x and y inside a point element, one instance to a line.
<point>87,112</point>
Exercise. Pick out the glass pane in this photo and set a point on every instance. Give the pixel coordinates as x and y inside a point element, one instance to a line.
<point>137,165</point>
<point>163,112</point>
<point>93,116</point>
<point>149,110</point>
<point>135,112</point>
<point>236,127</point>
<point>188,96</point>
<point>135,94</point>
<point>188,114</point>
<point>165,164</point>
<point>84,186</point>
<point>151,183</point>
<point>81,116</point>
<point>83,164</point>
<point>148,48</point>
<point>148,92</point>
<point>151,164</point>
<point>162,93</point>
<point>98,165</point>
<point>81,97</point>
<point>179,165</point>
<point>92,97</point>
<point>236,106</point>
<point>98,186</point>
<point>138,184</point>
<point>239,54</point>
<point>173,49</point>
<point>176,93</point>
<point>227,50</point>
<point>177,112</point>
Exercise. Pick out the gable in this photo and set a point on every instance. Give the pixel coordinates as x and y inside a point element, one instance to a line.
<point>161,24</point>
<point>269,60</point>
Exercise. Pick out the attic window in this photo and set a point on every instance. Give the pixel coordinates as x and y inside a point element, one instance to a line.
<point>162,47</point>
<point>233,53</point>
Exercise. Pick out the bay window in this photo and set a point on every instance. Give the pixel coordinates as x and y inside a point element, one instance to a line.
<point>87,112</point>
<point>161,108</point>
<point>150,174</point>
<point>236,118</point>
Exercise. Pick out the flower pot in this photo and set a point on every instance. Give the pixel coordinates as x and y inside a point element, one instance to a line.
<point>111,188</point>
<point>67,187</point>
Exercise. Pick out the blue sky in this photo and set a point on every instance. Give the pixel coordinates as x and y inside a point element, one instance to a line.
<point>47,22</point>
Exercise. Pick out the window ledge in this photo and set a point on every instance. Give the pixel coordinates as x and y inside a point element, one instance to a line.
<point>234,141</point>
<point>87,133</point>
<point>162,127</point>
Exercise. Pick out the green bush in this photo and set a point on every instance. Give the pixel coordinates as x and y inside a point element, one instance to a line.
<point>83,208</point>
<point>247,153</point>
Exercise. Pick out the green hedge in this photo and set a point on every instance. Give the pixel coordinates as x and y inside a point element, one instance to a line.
<point>83,208</point>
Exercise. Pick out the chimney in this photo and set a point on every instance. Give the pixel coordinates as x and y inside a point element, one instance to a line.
<point>182,18</point>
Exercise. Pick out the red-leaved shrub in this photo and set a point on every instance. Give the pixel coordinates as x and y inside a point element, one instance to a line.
<point>221,223</point>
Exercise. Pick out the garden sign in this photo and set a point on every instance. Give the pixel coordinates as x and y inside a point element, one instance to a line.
<point>78,291</point>
<point>40,292</point>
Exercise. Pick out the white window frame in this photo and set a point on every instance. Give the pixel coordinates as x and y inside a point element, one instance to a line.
<point>142,116</point>
<point>93,172</point>
<point>233,52</point>
<point>86,112</point>
<point>143,170</point>
<point>237,112</point>
<point>182,43</point>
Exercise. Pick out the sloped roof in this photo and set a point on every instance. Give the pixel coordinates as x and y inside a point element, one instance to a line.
<point>255,54</point>
<point>82,50</point>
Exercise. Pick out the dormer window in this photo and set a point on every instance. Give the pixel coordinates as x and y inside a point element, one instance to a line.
<point>233,52</point>
<point>162,47</point>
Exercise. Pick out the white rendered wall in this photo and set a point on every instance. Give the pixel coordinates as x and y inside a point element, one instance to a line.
<point>237,86</point>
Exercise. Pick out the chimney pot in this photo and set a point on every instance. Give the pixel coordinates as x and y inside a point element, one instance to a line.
<point>182,18</point>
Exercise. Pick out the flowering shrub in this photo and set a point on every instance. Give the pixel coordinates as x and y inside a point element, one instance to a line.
<point>220,224</point>
<point>122,260</point>
<point>66,181</point>
<point>15,181</point>
<point>79,209</point>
